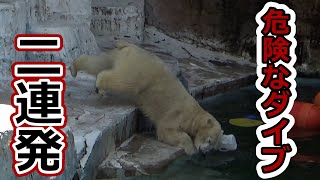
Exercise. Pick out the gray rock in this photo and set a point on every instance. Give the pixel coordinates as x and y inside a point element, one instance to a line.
<point>6,159</point>
<point>78,40</point>
<point>138,155</point>
<point>118,19</point>
<point>13,18</point>
<point>70,18</point>
<point>73,11</point>
<point>100,124</point>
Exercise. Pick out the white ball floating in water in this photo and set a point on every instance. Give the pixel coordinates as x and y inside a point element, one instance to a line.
<point>228,143</point>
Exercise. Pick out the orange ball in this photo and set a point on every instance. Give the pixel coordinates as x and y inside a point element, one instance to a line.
<point>307,115</point>
<point>316,100</point>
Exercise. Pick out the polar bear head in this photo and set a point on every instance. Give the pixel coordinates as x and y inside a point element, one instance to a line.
<point>208,133</point>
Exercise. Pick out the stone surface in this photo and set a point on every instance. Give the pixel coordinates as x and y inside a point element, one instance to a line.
<point>78,40</point>
<point>229,26</point>
<point>37,13</point>
<point>70,18</point>
<point>73,11</point>
<point>6,159</point>
<point>220,25</point>
<point>138,155</point>
<point>99,125</point>
<point>181,49</point>
<point>118,19</point>
<point>206,72</point>
<point>13,19</point>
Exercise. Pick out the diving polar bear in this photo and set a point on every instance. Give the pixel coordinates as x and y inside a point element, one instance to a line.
<point>132,71</point>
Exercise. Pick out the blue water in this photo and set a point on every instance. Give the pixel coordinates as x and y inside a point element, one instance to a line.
<point>241,164</point>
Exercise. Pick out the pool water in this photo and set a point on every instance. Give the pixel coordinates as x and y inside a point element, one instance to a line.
<point>241,164</point>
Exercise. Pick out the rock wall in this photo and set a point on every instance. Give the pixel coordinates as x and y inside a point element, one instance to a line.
<point>220,25</point>
<point>308,35</point>
<point>13,21</point>
<point>72,11</point>
<point>118,19</point>
<point>76,11</point>
<point>70,18</point>
<point>6,171</point>
<point>229,25</point>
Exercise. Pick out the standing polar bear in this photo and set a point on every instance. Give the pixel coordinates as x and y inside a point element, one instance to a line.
<point>142,76</point>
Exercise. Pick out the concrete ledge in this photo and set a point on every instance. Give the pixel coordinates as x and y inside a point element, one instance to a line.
<point>6,171</point>
<point>139,155</point>
<point>221,86</point>
<point>187,49</point>
<point>99,124</point>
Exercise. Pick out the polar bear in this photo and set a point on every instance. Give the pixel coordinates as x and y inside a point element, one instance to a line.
<point>95,64</point>
<point>142,76</point>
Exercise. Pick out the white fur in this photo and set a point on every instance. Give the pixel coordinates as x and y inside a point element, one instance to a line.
<point>138,74</point>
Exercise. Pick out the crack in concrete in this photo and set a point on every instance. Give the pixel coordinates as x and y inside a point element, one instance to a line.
<point>84,153</point>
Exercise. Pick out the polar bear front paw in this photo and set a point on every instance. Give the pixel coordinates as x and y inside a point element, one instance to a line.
<point>177,138</point>
<point>190,149</point>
